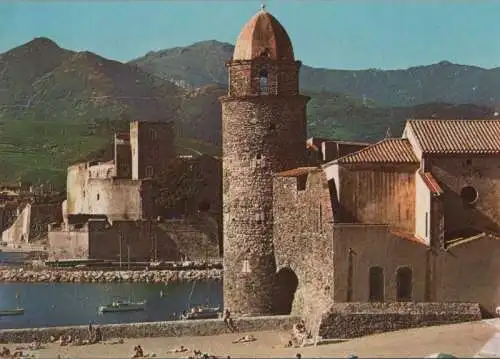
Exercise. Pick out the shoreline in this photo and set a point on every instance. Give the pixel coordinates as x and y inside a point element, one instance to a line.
<point>21,275</point>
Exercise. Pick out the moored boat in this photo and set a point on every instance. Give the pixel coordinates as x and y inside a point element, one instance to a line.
<point>202,312</point>
<point>123,306</point>
<point>16,311</point>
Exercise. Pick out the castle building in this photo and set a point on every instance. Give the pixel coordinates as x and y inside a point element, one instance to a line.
<point>412,219</point>
<point>109,209</point>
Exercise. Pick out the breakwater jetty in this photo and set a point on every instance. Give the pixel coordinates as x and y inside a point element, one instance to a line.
<point>69,275</point>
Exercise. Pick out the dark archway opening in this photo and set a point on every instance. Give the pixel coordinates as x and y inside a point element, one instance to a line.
<point>376,284</point>
<point>404,283</point>
<point>285,285</point>
<point>469,194</point>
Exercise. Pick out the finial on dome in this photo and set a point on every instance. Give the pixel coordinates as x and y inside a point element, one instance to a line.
<point>263,7</point>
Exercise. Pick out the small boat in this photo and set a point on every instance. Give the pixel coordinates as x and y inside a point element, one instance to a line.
<point>123,306</point>
<point>202,312</point>
<point>16,311</point>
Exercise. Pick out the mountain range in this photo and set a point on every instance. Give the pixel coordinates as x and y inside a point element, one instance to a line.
<point>58,106</point>
<point>203,63</point>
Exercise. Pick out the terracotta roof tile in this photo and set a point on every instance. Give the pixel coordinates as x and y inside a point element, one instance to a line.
<point>390,150</point>
<point>457,136</point>
<point>431,183</point>
<point>263,35</point>
<point>298,171</point>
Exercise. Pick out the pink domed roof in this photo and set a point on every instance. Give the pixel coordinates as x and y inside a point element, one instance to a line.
<point>263,35</point>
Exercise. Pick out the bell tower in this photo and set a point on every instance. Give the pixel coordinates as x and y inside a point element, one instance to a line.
<point>263,132</point>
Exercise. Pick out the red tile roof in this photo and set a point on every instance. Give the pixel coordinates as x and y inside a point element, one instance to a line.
<point>390,150</point>
<point>457,136</point>
<point>263,35</point>
<point>431,182</point>
<point>298,171</point>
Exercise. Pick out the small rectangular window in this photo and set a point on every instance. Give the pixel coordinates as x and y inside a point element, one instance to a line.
<point>149,171</point>
<point>246,266</point>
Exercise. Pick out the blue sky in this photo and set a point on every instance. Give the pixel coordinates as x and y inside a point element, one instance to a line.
<point>350,34</point>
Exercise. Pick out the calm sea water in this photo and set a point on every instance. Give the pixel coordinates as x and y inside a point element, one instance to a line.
<point>57,304</point>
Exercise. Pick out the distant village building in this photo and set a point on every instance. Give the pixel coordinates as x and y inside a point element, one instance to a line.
<point>410,219</point>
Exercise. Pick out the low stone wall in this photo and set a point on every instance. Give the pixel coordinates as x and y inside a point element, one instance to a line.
<point>351,320</point>
<point>153,329</point>
<point>99,276</point>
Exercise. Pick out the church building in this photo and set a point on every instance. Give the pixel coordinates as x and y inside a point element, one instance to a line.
<point>409,219</point>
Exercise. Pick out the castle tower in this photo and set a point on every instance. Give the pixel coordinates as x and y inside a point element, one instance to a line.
<point>264,132</point>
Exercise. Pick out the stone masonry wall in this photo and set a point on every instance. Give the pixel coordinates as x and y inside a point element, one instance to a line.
<point>41,216</point>
<point>19,230</point>
<point>453,173</point>
<point>261,136</point>
<point>303,240</point>
<point>152,145</point>
<point>153,329</point>
<point>142,240</point>
<point>351,320</point>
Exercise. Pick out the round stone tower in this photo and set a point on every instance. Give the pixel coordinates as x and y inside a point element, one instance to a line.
<point>263,132</point>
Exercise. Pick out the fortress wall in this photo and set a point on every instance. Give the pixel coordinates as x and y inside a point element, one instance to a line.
<point>20,229</point>
<point>152,329</point>
<point>351,320</point>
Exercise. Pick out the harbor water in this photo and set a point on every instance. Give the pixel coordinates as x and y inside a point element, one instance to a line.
<point>60,304</point>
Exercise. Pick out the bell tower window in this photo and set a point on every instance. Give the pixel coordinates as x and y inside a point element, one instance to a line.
<point>263,86</point>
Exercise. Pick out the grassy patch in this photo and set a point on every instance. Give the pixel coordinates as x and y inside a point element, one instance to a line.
<point>41,151</point>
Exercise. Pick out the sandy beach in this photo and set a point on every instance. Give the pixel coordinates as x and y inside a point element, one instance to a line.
<point>462,340</point>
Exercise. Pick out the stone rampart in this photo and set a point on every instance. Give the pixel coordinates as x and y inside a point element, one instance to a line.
<point>152,329</point>
<point>351,320</point>
<point>100,276</point>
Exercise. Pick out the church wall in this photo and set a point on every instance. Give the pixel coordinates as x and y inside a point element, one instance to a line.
<point>303,220</point>
<point>359,247</point>
<point>453,173</point>
<point>378,195</point>
<point>471,272</point>
<point>423,213</point>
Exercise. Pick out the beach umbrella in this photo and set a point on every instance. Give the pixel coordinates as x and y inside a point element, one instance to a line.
<point>440,355</point>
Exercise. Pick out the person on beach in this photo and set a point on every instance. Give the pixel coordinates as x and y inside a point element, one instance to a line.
<point>228,320</point>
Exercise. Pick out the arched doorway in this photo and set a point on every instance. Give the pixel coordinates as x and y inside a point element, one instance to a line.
<point>285,285</point>
<point>404,282</point>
